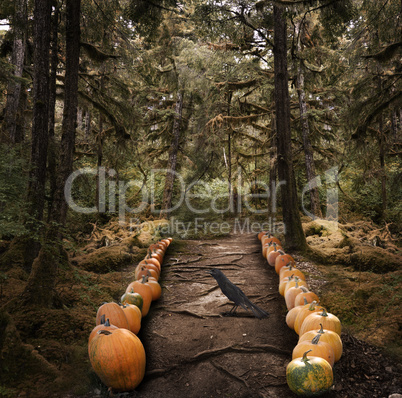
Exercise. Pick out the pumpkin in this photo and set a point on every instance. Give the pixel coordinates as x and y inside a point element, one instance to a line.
<point>167,241</point>
<point>115,314</point>
<point>329,321</point>
<point>305,294</point>
<point>309,376</point>
<point>155,255</point>
<point>155,287</point>
<point>133,315</point>
<point>282,261</point>
<point>273,247</point>
<point>293,282</point>
<point>304,313</point>
<point>270,245</point>
<point>291,294</point>
<point>318,349</point>
<point>151,260</point>
<point>282,284</point>
<point>272,256</point>
<point>146,270</point>
<point>328,336</point>
<point>291,271</point>
<point>146,293</point>
<point>260,234</point>
<point>118,358</point>
<point>292,314</point>
<point>130,297</point>
<point>104,325</point>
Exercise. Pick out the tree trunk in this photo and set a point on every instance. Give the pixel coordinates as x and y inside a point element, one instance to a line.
<point>13,114</point>
<point>174,148</point>
<point>59,210</point>
<point>294,235</point>
<point>308,149</point>
<point>87,125</point>
<point>229,158</point>
<point>273,171</point>
<point>52,150</point>
<point>39,146</point>
<point>99,151</point>
<point>40,285</point>
<point>383,173</point>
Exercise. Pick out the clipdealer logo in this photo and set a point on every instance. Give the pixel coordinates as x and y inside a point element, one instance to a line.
<point>200,198</point>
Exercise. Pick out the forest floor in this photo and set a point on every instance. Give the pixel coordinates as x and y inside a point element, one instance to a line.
<point>192,349</point>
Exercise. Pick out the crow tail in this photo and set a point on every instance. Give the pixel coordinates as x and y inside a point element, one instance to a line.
<point>257,311</point>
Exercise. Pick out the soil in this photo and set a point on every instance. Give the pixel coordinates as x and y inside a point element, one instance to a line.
<point>193,348</point>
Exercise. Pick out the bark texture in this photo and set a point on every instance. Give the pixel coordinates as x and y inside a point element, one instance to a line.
<point>39,145</point>
<point>294,235</point>
<point>14,117</point>
<point>173,151</point>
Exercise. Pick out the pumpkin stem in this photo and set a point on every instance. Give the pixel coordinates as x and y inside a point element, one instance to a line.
<point>316,339</point>
<point>144,279</point>
<point>107,323</point>
<point>305,359</point>
<point>321,331</point>
<point>102,320</point>
<point>324,312</point>
<point>312,305</point>
<point>304,289</point>
<point>305,301</point>
<point>105,332</point>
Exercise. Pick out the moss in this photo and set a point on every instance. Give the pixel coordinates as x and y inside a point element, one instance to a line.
<point>109,258</point>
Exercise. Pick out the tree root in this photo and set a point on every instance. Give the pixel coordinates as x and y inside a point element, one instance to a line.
<point>207,354</point>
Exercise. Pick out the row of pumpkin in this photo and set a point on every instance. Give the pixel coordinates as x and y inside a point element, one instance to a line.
<point>116,354</point>
<point>310,372</point>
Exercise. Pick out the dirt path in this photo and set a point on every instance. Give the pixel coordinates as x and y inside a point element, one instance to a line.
<point>193,351</point>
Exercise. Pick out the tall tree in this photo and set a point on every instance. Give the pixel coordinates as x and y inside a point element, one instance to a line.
<point>13,118</point>
<point>65,168</point>
<point>305,127</point>
<point>173,151</point>
<point>42,278</point>
<point>294,235</point>
<point>39,145</point>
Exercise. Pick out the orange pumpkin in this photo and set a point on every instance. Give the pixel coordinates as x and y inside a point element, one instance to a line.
<point>104,325</point>
<point>133,315</point>
<point>155,287</point>
<point>115,314</point>
<point>329,321</point>
<point>293,282</point>
<point>318,349</point>
<point>273,247</point>
<point>292,314</point>
<point>291,294</point>
<point>282,261</point>
<point>145,291</point>
<point>304,313</point>
<point>146,270</point>
<point>272,256</point>
<point>328,336</point>
<point>285,271</point>
<point>151,260</point>
<point>118,358</point>
<point>305,295</point>
<point>283,283</point>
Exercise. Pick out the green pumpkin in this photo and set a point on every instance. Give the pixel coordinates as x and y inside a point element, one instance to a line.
<point>309,377</point>
<point>132,298</point>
